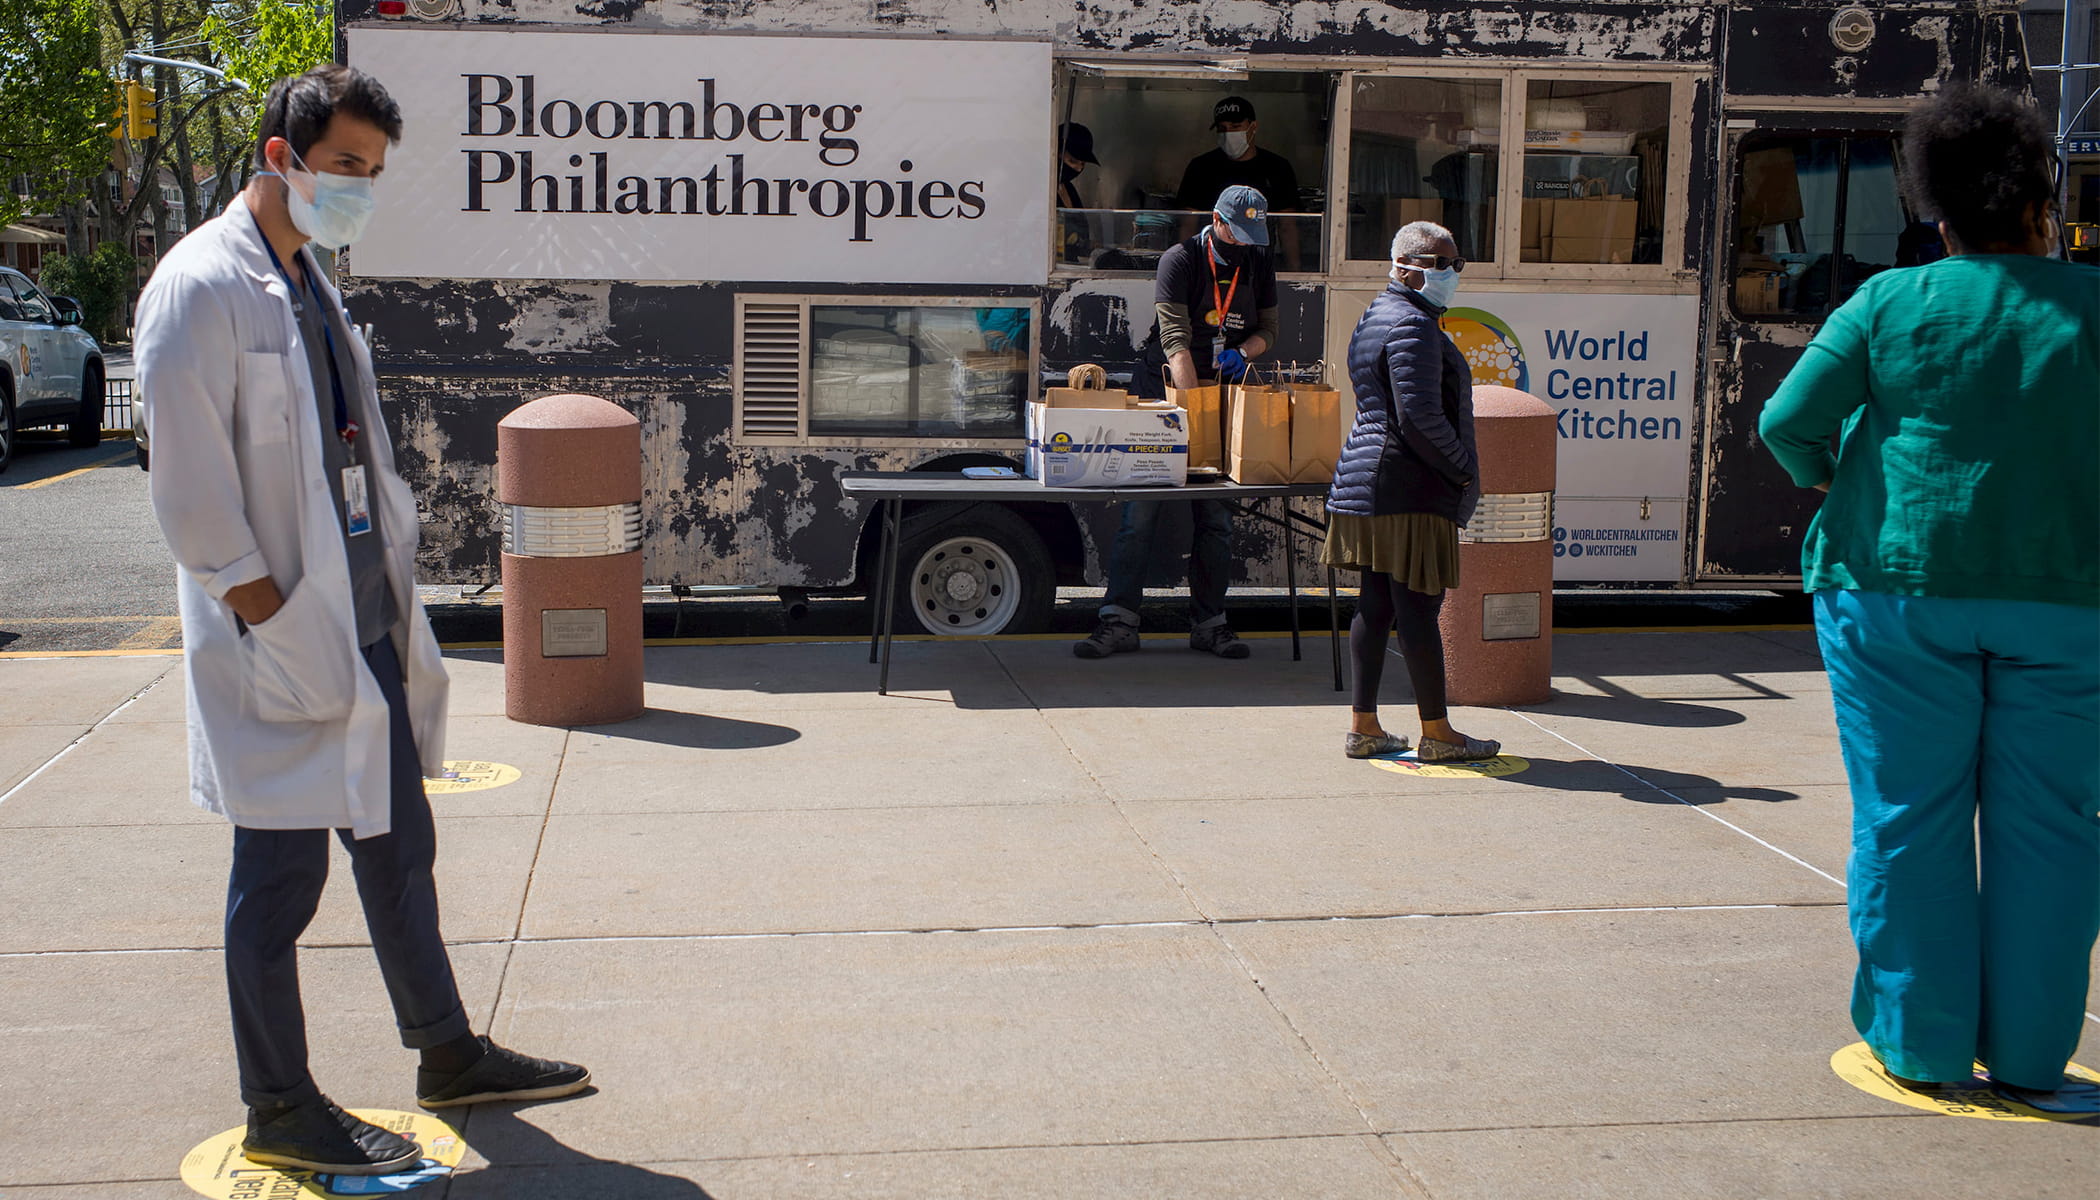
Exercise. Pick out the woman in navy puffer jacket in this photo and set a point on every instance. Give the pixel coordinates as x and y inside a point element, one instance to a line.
<point>1405,483</point>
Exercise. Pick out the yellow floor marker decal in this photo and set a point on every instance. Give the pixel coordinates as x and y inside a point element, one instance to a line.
<point>463,776</point>
<point>1486,768</point>
<point>1856,1065</point>
<point>218,1169</point>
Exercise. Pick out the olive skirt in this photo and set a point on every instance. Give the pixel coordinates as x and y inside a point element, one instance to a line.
<point>1418,549</point>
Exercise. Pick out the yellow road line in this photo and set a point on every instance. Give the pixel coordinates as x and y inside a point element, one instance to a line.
<point>155,635</point>
<point>86,653</point>
<point>98,464</point>
<point>127,619</point>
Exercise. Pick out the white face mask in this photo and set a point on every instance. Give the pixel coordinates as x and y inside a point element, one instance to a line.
<point>331,209</point>
<point>1234,142</point>
<point>1439,287</point>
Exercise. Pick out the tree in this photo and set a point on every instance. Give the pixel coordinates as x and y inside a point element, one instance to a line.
<point>100,281</point>
<point>56,103</point>
<point>258,43</point>
<point>273,39</point>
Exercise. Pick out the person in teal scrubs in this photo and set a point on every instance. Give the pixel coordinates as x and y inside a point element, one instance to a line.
<point>1956,572</point>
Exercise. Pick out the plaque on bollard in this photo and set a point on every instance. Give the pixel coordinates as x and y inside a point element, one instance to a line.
<point>572,633</point>
<point>1508,616</point>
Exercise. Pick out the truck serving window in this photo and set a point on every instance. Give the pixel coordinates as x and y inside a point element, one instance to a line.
<point>882,369</point>
<point>1424,150</point>
<point>1160,162</point>
<point>1596,166</point>
<point>1816,216</point>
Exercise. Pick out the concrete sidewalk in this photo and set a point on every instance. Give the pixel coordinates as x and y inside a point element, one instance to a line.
<point>1029,927</point>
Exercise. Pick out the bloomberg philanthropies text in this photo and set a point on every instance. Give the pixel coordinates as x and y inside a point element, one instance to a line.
<point>551,177</point>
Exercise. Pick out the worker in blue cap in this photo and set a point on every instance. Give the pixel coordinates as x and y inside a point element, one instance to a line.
<point>1214,307</point>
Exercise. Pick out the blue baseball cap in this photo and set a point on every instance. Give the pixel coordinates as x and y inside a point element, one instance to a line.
<point>1245,212</point>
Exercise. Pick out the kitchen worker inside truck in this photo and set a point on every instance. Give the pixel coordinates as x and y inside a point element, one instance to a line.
<point>1237,160</point>
<point>1214,307</point>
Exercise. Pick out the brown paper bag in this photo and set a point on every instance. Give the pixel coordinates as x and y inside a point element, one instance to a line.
<point>1317,432</point>
<point>1258,433</point>
<point>1206,409</point>
<point>1088,388</point>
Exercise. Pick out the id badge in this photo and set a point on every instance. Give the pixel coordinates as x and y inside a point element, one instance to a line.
<point>357,507</point>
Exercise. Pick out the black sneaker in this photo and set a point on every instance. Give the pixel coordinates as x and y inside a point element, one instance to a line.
<point>501,1074</point>
<point>318,1136</point>
<point>1219,640</point>
<point>1109,637</point>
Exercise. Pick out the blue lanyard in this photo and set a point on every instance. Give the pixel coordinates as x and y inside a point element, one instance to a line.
<point>345,428</point>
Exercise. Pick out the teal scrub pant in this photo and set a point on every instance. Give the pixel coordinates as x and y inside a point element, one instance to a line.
<point>1971,736</point>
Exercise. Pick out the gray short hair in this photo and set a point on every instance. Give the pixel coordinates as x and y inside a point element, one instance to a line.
<point>1419,238</point>
<point>1413,239</point>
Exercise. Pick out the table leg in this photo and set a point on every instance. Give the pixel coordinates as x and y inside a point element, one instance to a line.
<point>1290,570</point>
<point>1334,628</point>
<point>894,522</point>
<point>876,593</point>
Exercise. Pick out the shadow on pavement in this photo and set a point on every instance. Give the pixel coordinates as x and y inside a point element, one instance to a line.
<point>1636,710</point>
<point>1646,785</point>
<point>528,1163</point>
<point>697,731</point>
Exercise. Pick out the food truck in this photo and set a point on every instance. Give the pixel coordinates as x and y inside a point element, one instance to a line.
<point>798,238</point>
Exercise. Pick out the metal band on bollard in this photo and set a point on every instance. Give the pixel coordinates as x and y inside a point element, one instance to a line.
<point>1511,517</point>
<point>572,532</point>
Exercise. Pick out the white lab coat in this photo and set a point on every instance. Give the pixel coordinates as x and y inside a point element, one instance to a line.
<point>287,729</point>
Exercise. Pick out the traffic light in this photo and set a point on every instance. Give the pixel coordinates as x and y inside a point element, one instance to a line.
<point>138,110</point>
<point>116,123</point>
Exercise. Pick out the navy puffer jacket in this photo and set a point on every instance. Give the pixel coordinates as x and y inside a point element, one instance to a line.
<point>1411,448</point>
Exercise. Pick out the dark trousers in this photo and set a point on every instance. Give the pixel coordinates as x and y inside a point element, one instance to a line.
<point>1210,559</point>
<point>271,898</point>
<point>1385,604</point>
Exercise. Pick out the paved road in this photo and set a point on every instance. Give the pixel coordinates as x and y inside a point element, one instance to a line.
<point>82,566</point>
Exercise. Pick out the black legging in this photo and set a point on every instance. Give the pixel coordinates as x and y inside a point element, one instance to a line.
<point>1382,603</point>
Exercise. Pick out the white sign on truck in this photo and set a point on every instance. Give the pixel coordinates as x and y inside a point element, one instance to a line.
<point>636,157</point>
<point>1619,371</point>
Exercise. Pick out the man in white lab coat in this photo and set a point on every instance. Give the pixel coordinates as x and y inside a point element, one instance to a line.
<point>316,690</point>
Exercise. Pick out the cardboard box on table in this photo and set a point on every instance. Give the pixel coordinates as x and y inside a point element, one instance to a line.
<point>1591,231</point>
<point>1090,437</point>
<point>1403,210</point>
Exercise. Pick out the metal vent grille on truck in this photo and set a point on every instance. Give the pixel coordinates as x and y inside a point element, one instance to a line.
<point>770,357</point>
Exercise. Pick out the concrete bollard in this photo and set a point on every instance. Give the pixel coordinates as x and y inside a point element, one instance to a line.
<point>569,479</point>
<point>1498,624</point>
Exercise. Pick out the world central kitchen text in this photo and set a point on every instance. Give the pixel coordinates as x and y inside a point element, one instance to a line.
<point>502,106</point>
<point>1586,382</point>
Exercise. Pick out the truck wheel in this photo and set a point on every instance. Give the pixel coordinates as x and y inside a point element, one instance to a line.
<point>983,572</point>
<point>7,425</point>
<point>86,427</point>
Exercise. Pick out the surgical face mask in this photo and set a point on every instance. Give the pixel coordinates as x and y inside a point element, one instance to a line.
<point>331,209</point>
<point>1066,174</point>
<point>1439,287</point>
<point>1234,142</point>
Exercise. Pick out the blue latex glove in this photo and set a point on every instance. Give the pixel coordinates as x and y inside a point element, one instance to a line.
<point>1231,365</point>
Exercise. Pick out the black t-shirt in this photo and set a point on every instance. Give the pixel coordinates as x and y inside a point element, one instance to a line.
<point>1267,173</point>
<point>1186,277</point>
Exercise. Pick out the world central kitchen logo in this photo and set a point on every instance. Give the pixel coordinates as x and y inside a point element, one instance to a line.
<point>1583,367</point>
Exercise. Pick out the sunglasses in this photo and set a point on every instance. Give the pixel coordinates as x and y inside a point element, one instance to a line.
<point>1437,261</point>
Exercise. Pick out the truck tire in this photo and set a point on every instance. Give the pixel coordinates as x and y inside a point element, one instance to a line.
<point>86,427</point>
<point>982,572</point>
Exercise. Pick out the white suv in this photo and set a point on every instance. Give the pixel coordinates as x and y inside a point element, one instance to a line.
<point>50,369</point>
